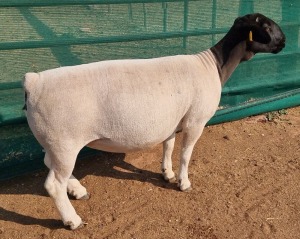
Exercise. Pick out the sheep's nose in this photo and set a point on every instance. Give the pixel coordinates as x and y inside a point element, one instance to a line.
<point>279,46</point>
<point>280,41</point>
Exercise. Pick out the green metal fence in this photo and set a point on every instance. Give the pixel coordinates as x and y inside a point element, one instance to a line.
<point>41,34</point>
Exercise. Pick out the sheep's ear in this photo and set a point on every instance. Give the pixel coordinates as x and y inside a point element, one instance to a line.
<point>259,34</point>
<point>256,24</point>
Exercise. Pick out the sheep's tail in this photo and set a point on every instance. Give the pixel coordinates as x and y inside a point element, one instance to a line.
<point>30,85</point>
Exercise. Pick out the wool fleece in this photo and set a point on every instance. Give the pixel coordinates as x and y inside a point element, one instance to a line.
<point>121,105</point>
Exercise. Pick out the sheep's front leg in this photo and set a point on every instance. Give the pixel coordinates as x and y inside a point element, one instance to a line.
<point>166,166</point>
<point>74,187</point>
<point>190,137</point>
<point>61,168</point>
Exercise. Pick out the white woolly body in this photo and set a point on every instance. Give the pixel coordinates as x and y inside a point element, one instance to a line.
<point>122,105</point>
<point>119,106</point>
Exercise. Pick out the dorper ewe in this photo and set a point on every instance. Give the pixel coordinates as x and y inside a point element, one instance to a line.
<point>127,105</point>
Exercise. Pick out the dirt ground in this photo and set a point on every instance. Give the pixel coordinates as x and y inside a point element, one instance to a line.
<point>245,177</point>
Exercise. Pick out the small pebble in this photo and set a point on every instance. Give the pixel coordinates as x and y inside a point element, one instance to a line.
<point>266,228</point>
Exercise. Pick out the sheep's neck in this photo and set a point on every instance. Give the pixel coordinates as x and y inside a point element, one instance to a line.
<point>229,53</point>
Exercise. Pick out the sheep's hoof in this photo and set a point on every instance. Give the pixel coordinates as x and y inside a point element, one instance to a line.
<point>186,189</point>
<point>85,197</point>
<point>172,180</point>
<point>82,224</point>
<point>73,227</point>
<point>169,180</point>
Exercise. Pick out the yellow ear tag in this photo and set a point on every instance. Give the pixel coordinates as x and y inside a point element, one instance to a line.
<point>250,36</point>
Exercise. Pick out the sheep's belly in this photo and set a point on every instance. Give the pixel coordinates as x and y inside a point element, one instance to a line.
<point>116,147</point>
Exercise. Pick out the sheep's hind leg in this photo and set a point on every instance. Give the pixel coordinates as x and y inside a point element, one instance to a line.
<point>190,136</point>
<point>74,187</point>
<point>62,164</point>
<point>166,166</point>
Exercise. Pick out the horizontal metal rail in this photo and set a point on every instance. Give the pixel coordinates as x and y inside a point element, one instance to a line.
<point>56,41</point>
<point>11,85</point>
<point>48,3</point>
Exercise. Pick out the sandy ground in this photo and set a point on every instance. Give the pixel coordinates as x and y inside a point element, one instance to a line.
<point>245,177</point>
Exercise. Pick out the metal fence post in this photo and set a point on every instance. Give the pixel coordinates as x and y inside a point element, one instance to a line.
<point>185,21</point>
<point>130,11</point>
<point>145,15</point>
<point>214,21</point>
<point>165,17</point>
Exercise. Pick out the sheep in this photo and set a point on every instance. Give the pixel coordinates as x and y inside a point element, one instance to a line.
<point>128,105</point>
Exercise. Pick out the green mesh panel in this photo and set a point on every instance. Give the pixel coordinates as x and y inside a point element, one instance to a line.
<point>36,35</point>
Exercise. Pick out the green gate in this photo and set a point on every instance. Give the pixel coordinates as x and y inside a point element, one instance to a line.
<point>36,35</point>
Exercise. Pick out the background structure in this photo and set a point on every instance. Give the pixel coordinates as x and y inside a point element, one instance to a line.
<point>43,34</point>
